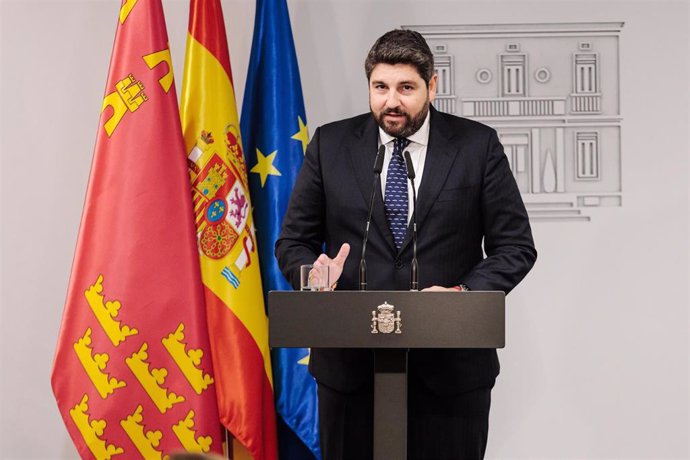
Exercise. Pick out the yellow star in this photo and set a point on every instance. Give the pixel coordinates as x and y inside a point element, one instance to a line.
<point>305,360</point>
<point>264,166</point>
<point>302,135</point>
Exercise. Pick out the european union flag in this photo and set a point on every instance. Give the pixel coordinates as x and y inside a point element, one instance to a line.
<point>274,131</point>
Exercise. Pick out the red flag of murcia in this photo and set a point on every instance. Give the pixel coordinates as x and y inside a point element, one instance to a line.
<point>133,373</point>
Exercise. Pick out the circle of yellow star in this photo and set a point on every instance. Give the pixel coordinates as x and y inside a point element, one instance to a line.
<point>305,361</point>
<point>302,135</point>
<point>264,166</point>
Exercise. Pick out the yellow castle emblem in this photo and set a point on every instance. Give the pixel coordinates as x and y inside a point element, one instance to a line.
<point>216,178</point>
<point>128,96</point>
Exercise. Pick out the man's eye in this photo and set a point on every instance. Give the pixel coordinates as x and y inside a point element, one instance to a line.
<point>407,88</point>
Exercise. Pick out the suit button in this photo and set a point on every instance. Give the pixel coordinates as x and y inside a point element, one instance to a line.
<point>398,264</point>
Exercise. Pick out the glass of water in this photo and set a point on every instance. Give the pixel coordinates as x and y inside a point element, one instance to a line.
<point>314,278</point>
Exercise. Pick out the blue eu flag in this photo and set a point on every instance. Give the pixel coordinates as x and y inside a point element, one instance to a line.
<point>274,132</point>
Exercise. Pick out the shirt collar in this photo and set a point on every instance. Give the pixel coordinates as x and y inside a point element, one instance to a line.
<point>420,137</point>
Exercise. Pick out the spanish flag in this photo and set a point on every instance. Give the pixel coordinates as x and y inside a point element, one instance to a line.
<point>133,376</point>
<point>238,325</point>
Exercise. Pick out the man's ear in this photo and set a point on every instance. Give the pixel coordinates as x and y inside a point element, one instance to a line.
<point>432,87</point>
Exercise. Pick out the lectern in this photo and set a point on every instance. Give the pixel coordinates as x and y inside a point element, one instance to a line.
<point>390,323</point>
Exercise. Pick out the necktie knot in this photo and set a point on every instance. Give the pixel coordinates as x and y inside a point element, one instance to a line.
<point>399,144</point>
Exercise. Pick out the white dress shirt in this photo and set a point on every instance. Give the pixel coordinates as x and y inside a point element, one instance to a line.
<point>417,149</point>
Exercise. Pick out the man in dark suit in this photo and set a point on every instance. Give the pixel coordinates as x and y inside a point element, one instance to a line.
<point>466,194</point>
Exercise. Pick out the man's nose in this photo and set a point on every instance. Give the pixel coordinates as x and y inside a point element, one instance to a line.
<point>392,101</point>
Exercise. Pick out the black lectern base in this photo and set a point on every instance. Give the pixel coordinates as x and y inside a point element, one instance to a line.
<point>390,415</point>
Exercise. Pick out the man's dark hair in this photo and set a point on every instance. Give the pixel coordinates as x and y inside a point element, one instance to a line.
<point>401,46</point>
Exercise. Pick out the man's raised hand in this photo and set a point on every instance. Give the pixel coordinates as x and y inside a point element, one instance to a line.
<point>335,265</point>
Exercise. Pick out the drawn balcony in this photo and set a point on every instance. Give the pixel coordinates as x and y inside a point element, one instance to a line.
<point>514,107</point>
<point>585,103</point>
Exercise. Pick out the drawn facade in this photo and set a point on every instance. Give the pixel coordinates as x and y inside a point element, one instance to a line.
<point>552,93</point>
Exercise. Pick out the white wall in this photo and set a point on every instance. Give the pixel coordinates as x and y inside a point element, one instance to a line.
<point>597,363</point>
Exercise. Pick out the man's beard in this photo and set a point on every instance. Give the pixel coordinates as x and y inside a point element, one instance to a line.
<point>407,127</point>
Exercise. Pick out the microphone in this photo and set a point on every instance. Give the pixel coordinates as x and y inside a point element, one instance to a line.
<point>414,283</point>
<point>378,163</point>
<point>378,167</point>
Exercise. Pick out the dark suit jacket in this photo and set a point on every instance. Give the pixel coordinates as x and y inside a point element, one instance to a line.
<point>467,194</point>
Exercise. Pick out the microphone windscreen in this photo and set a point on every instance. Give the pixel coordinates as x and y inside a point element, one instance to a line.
<point>378,164</point>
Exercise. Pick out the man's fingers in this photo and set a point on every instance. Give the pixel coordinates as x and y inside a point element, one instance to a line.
<point>342,255</point>
<point>322,260</point>
<point>440,289</point>
<point>338,260</point>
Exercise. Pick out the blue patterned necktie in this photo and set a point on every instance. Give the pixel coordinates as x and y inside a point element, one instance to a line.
<point>395,200</point>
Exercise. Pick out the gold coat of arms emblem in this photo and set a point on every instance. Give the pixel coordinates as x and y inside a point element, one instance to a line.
<point>385,319</point>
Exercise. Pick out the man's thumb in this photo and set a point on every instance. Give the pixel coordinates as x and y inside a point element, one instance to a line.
<point>342,254</point>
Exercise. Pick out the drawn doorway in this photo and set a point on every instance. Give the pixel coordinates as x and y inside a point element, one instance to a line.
<point>516,147</point>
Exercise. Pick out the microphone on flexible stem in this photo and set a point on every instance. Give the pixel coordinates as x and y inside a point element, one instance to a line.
<point>378,167</point>
<point>414,283</point>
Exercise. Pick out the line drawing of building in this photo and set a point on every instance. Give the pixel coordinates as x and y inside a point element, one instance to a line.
<point>552,92</point>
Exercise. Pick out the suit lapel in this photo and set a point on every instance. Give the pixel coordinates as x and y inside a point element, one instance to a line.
<point>362,154</point>
<point>440,155</point>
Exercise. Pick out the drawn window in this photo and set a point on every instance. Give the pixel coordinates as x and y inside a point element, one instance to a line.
<point>513,74</point>
<point>444,70</point>
<point>587,155</point>
<point>586,73</point>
